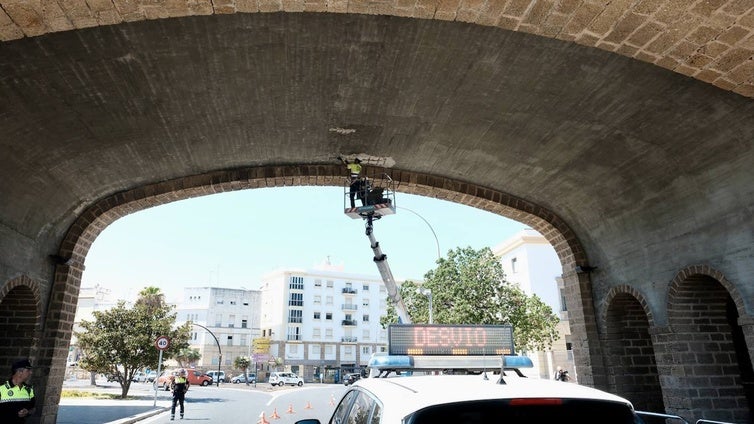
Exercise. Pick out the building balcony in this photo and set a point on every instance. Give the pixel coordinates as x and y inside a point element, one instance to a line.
<point>296,320</point>
<point>349,307</point>
<point>348,322</point>
<point>293,337</point>
<point>350,339</point>
<point>348,290</point>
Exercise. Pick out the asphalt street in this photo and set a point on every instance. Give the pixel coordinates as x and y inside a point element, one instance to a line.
<point>229,403</point>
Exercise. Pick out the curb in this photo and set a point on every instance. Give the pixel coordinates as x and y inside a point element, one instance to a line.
<point>139,417</point>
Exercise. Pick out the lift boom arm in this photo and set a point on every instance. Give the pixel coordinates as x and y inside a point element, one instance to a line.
<point>380,259</point>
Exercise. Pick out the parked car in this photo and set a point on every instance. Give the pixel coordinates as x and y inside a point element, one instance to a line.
<point>151,375</point>
<point>194,377</point>
<point>139,377</point>
<point>242,378</point>
<point>283,378</point>
<point>349,379</point>
<point>215,374</point>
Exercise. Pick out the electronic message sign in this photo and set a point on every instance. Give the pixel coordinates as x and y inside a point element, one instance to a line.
<point>450,339</point>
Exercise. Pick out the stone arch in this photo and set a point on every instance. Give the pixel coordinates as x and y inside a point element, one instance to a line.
<point>21,309</point>
<point>706,41</point>
<point>98,216</point>
<point>630,360</point>
<point>708,346</point>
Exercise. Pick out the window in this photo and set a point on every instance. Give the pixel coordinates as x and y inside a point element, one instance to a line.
<point>220,301</point>
<point>328,300</point>
<point>295,316</point>
<point>328,316</point>
<point>366,350</point>
<point>244,322</point>
<point>317,300</point>
<point>316,333</point>
<point>294,333</point>
<point>365,335</point>
<point>365,303</point>
<point>365,287</point>
<point>514,263</point>
<point>317,283</point>
<point>244,341</point>
<point>328,333</point>
<point>219,320</point>
<point>329,284</point>
<point>317,315</point>
<point>231,321</point>
<point>230,341</point>
<point>232,302</point>
<point>296,283</point>
<point>296,299</point>
<point>365,318</point>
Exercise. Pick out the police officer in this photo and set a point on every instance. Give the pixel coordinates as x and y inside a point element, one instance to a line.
<point>180,386</point>
<point>16,395</point>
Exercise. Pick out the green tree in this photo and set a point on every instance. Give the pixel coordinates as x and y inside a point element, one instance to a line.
<point>120,341</point>
<point>187,357</point>
<point>469,287</point>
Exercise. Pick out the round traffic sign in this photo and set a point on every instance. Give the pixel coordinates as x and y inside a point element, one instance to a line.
<point>162,342</point>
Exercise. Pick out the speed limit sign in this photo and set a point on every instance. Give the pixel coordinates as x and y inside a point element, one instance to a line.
<point>162,343</point>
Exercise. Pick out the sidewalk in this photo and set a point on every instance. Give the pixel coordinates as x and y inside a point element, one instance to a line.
<point>90,410</point>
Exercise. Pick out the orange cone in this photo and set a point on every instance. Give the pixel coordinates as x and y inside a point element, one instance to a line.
<point>262,419</point>
<point>275,415</point>
<point>290,409</point>
<point>332,400</point>
<point>308,405</point>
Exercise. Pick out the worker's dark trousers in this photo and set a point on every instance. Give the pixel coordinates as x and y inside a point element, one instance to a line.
<point>178,397</point>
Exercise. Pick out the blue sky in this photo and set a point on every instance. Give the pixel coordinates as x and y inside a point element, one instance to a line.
<point>232,239</point>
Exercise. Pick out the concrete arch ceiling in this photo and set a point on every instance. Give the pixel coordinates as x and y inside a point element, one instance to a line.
<point>626,152</point>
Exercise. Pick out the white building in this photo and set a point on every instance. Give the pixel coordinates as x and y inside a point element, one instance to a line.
<point>229,315</point>
<point>530,261</point>
<point>322,322</point>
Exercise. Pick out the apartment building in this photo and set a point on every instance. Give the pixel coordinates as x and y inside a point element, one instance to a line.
<point>322,322</point>
<point>530,261</point>
<point>226,321</point>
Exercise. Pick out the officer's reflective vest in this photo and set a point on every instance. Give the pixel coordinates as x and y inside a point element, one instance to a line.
<point>21,393</point>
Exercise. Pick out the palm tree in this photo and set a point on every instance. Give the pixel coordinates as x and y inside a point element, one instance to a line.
<point>188,356</point>
<point>151,298</point>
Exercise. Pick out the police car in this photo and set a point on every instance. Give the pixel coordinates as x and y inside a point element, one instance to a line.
<point>453,374</point>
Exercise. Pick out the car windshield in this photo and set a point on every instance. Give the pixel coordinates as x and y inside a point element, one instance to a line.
<point>512,411</point>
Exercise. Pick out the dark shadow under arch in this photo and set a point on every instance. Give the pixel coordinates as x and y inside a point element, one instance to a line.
<point>707,339</point>
<point>632,369</point>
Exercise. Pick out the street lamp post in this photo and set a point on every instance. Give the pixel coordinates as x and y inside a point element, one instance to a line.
<point>428,293</point>
<point>220,363</point>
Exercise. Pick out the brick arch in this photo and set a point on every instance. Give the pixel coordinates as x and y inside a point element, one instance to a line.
<point>624,289</point>
<point>631,366</point>
<point>705,270</point>
<point>97,217</point>
<point>706,344</point>
<point>106,211</point>
<point>709,41</point>
<point>21,308</point>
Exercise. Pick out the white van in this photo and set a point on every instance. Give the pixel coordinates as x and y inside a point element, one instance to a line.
<point>215,374</point>
<point>283,378</point>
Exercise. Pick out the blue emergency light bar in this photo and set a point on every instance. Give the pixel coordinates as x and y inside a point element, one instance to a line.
<point>515,361</point>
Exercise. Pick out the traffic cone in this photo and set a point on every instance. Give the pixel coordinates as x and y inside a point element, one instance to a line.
<point>290,409</point>
<point>275,415</point>
<point>308,405</point>
<point>262,419</point>
<point>332,400</point>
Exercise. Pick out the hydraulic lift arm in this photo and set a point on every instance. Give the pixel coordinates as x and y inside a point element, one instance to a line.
<point>380,259</point>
